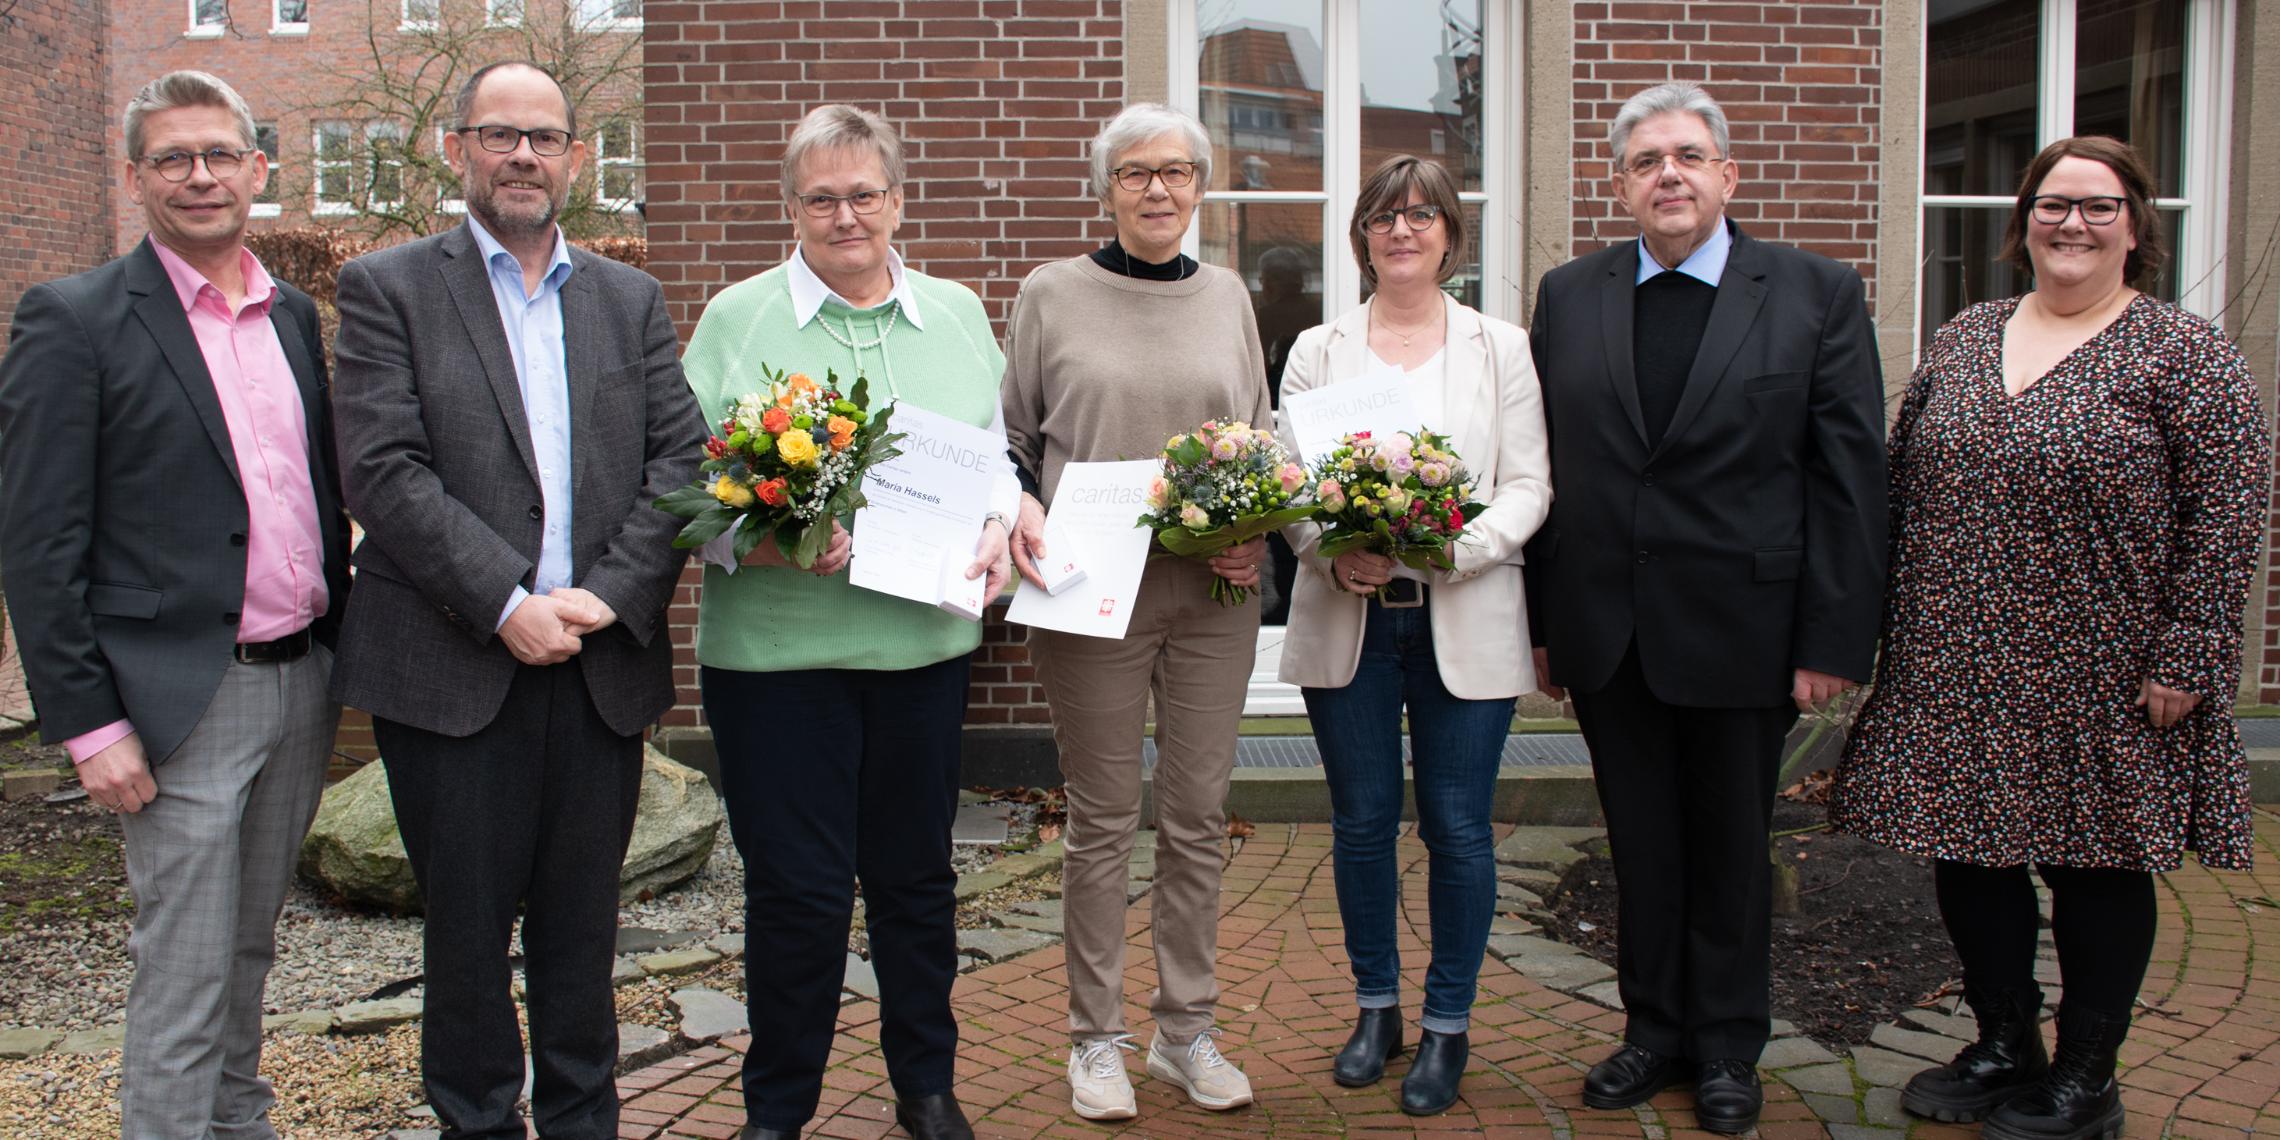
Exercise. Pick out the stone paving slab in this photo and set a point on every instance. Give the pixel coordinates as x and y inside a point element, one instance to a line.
<point>2203,1059</point>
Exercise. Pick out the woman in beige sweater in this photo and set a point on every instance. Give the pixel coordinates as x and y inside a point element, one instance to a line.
<point>1107,356</point>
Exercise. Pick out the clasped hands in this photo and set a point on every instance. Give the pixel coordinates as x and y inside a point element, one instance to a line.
<point>549,628</point>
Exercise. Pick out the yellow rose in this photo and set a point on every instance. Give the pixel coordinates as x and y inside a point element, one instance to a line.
<point>797,448</point>
<point>731,492</point>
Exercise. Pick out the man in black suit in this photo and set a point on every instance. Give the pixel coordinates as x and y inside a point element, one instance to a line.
<point>177,565</point>
<point>509,408</point>
<point>1713,564</point>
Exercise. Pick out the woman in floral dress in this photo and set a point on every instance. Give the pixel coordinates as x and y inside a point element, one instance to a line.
<point>2078,491</point>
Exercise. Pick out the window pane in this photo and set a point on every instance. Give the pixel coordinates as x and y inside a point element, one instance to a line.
<point>420,11</point>
<point>506,11</point>
<point>212,13</point>
<point>1261,93</point>
<point>1277,248</point>
<point>265,137</point>
<point>2129,81</point>
<point>1980,95</point>
<point>1421,85</point>
<point>1960,266</point>
<point>292,11</point>
<point>2167,287</point>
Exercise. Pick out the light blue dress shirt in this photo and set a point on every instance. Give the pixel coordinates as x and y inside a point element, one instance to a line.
<point>1706,264</point>
<point>534,336</point>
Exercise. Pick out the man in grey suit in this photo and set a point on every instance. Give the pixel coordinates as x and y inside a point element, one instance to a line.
<point>177,563</point>
<point>509,407</point>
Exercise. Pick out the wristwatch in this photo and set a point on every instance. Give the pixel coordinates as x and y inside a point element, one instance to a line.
<point>999,518</point>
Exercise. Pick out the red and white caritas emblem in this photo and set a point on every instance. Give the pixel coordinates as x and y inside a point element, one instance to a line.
<point>1107,606</point>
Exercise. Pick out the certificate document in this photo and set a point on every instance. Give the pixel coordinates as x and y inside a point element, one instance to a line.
<point>924,506</point>
<point>1097,509</point>
<point>1377,403</point>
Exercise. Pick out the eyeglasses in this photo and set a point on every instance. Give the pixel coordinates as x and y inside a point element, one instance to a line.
<point>1419,218</point>
<point>861,201</point>
<point>221,162</point>
<point>1136,178</point>
<point>545,142</point>
<point>2099,210</point>
<point>1650,164</point>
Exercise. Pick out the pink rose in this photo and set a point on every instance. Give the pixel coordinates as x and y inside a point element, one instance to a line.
<point>1194,517</point>
<point>1331,495</point>
<point>1292,476</point>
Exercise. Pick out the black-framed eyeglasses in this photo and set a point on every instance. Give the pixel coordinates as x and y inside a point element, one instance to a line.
<point>221,162</point>
<point>1420,218</point>
<point>1651,163</point>
<point>1136,178</point>
<point>545,142</point>
<point>2097,210</point>
<point>861,201</point>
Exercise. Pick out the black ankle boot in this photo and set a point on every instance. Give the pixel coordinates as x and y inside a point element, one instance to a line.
<point>2077,1099</point>
<point>1431,1086</point>
<point>2007,1060</point>
<point>1376,1039</point>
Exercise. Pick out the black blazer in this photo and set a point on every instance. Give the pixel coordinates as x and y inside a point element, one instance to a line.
<point>122,522</point>
<point>1750,543</point>
<point>438,465</point>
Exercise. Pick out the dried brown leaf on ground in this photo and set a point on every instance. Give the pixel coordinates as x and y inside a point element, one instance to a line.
<point>1239,828</point>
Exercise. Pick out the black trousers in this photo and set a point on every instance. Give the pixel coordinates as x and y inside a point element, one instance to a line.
<point>832,775</point>
<point>532,812</point>
<point>2101,921</point>
<point>1688,795</point>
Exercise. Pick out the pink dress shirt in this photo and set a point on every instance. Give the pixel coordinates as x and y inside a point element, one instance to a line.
<point>261,403</point>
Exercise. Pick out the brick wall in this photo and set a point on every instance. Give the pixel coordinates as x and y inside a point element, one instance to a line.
<point>52,111</point>
<point>1802,86</point>
<point>995,100</point>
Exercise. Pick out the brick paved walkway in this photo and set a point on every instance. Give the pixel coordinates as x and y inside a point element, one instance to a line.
<point>2203,1060</point>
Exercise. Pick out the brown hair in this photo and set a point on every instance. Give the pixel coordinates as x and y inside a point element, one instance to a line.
<point>1388,187</point>
<point>2143,265</point>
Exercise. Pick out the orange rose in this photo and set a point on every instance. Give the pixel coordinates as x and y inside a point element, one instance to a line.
<point>800,382</point>
<point>772,493</point>
<point>842,431</point>
<point>775,420</point>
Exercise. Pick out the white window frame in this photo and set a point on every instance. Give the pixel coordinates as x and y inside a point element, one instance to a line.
<point>606,19</point>
<point>319,164</point>
<point>491,13</point>
<point>449,204</point>
<point>280,26</point>
<point>2197,240</point>
<point>273,208</point>
<point>199,31</point>
<point>1503,169</point>
<point>413,23</point>
<point>604,161</point>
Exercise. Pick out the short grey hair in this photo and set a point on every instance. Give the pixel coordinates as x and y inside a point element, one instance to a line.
<point>1142,123</point>
<point>1669,98</point>
<point>838,126</point>
<point>177,89</point>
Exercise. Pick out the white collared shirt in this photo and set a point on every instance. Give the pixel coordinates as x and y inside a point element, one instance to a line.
<point>1706,264</point>
<point>809,292</point>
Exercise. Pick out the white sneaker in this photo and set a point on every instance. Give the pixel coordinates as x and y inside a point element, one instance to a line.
<point>1098,1086</point>
<point>1211,1080</point>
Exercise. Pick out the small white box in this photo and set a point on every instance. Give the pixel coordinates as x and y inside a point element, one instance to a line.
<point>1061,570</point>
<point>961,595</point>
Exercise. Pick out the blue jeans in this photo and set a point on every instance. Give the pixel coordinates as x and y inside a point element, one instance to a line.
<point>1456,746</point>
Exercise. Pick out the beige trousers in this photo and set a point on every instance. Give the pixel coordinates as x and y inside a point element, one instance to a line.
<point>1195,656</point>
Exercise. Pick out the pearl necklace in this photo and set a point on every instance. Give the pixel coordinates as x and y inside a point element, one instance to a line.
<point>894,310</point>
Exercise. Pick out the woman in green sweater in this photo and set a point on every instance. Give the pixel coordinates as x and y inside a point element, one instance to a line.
<point>837,710</point>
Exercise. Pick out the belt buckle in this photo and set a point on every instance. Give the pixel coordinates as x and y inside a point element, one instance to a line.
<point>1402,594</point>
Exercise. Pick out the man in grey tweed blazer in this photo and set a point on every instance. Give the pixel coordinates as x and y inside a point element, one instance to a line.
<point>508,408</point>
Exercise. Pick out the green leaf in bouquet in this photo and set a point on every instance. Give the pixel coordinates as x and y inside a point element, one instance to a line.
<point>688,502</point>
<point>705,527</point>
<point>750,538</point>
<point>860,393</point>
<point>1196,544</point>
<point>813,538</point>
<point>1188,453</point>
<point>1337,542</point>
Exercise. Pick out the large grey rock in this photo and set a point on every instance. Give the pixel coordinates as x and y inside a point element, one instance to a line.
<point>94,1040</point>
<point>1544,848</point>
<point>354,850</point>
<point>999,945</point>
<point>1790,1052</point>
<point>374,1016</point>
<point>860,979</point>
<point>1933,1047</point>
<point>709,1015</point>
<point>1885,1067</point>
<point>687,961</point>
<point>640,1045</point>
<point>1832,1079</point>
<point>17,1044</point>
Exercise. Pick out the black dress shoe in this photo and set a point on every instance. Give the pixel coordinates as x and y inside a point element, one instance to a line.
<point>935,1117</point>
<point>1727,1096</point>
<point>2008,1059</point>
<point>2077,1099</point>
<point>1431,1086</point>
<point>755,1132</point>
<point>1376,1039</point>
<point>1631,1077</point>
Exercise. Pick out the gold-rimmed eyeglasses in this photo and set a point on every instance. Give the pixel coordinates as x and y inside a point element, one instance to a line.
<point>1650,164</point>
<point>221,162</point>
<point>1136,178</point>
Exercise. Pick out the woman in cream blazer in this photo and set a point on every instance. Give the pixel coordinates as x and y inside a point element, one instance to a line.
<point>1449,646</point>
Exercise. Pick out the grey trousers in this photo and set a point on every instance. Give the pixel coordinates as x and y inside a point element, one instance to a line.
<point>209,862</point>
<point>1195,656</point>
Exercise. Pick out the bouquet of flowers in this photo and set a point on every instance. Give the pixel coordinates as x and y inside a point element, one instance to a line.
<point>1404,496</point>
<point>1224,484</point>
<point>788,461</point>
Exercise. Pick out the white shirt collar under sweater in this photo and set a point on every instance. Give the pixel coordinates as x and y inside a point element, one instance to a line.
<point>809,292</point>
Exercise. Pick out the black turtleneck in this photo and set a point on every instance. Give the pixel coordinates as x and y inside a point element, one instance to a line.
<point>1115,259</point>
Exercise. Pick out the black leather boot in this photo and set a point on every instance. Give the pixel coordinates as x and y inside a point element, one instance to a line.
<point>1632,1076</point>
<point>2077,1099</point>
<point>1431,1086</point>
<point>935,1117</point>
<point>1376,1039</point>
<point>2007,1060</point>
